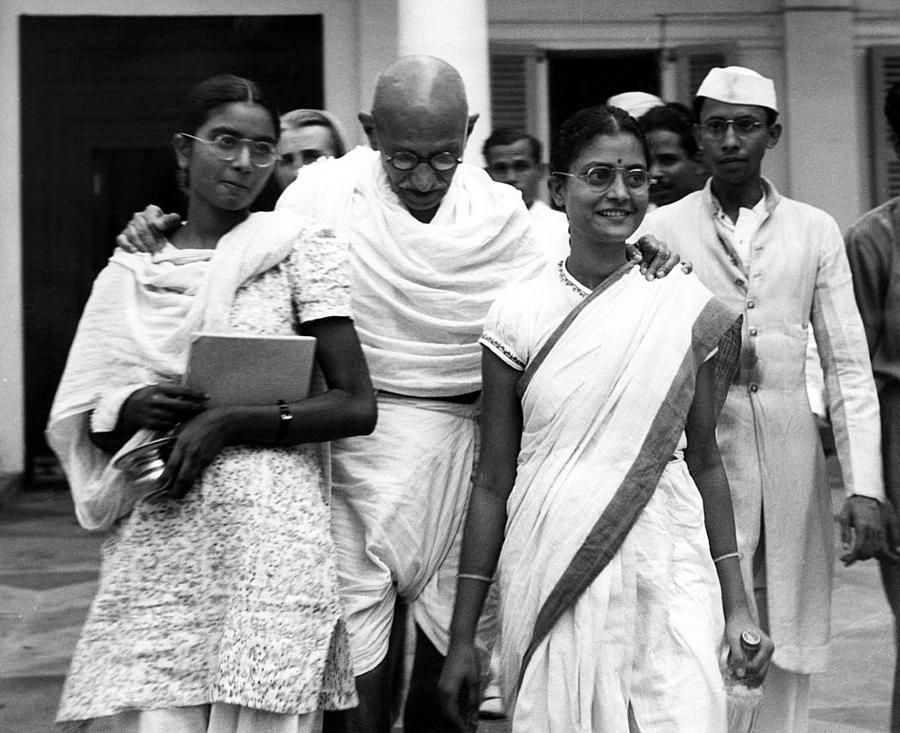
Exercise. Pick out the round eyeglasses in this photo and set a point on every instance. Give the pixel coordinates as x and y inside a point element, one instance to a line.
<point>716,128</point>
<point>601,177</point>
<point>228,147</point>
<point>406,161</point>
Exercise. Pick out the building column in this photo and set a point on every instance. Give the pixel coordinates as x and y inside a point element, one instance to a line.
<point>12,378</point>
<point>457,33</point>
<point>820,76</point>
<point>767,59</point>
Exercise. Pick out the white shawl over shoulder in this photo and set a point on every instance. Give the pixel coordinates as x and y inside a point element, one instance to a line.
<point>135,330</point>
<point>420,291</point>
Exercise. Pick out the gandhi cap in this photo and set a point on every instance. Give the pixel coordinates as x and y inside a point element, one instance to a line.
<point>739,85</point>
<point>635,103</point>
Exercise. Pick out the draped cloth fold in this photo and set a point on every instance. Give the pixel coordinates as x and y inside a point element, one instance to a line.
<point>135,330</point>
<point>605,400</point>
<point>420,290</point>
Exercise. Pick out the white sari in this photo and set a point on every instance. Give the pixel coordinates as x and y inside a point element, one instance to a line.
<point>593,636</point>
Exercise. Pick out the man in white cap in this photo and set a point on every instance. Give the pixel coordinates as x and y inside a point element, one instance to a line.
<point>782,263</point>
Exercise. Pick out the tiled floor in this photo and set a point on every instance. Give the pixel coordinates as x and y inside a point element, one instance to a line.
<point>48,567</point>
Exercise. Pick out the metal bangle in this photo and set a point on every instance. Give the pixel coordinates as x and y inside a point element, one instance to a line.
<point>475,576</point>
<point>738,555</point>
<point>284,420</point>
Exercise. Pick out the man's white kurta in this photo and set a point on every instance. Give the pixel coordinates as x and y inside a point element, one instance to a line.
<point>796,276</point>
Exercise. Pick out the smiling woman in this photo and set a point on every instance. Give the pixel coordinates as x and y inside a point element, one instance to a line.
<point>217,609</point>
<point>601,501</point>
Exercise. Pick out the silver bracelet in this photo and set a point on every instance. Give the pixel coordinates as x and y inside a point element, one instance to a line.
<point>474,576</point>
<point>738,555</point>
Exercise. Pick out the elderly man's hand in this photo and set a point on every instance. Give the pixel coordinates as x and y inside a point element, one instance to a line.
<point>862,528</point>
<point>655,256</point>
<point>147,230</point>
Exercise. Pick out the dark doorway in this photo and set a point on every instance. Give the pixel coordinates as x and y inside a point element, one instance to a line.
<point>580,79</point>
<point>99,100</point>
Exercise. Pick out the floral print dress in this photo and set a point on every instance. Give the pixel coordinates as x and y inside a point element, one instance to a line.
<point>229,595</point>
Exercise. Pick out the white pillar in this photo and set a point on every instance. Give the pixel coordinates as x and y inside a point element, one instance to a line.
<point>456,32</point>
<point>12,391</point>
<point>820,74</point>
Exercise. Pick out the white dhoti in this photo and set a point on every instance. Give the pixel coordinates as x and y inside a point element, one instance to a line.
<point>398,503</point>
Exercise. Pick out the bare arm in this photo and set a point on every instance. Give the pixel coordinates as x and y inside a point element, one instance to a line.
<point>160,407</point>
<point>705,465</point>
<point>346,408</point>
<point>483,534</point>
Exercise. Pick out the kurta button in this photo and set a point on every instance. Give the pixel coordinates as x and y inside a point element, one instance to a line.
<point>753,332</point>
<point>751,304</point>
<point>754,387</point>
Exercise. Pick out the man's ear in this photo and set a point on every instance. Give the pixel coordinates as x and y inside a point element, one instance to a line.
<point>698,138</point>
<point>470,125</point>
<point>368,126</point>
<point>182,147</point>
<point>773,135</point>
<point>556,187</point>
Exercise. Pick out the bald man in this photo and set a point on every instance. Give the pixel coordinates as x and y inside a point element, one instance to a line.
<point>432,242</point>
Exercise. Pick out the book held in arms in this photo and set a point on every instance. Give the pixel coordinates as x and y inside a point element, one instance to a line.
<point>251,369</point>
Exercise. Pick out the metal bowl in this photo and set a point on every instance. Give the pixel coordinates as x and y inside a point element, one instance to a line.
<point>145,463</point>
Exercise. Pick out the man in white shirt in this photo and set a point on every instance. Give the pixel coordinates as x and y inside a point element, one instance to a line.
<point>515,157</point>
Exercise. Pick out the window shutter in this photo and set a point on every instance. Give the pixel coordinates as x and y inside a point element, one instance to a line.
<point>692,64</point>
<point>699,65</point>
<point>884,70</point>
<point>509,90</point>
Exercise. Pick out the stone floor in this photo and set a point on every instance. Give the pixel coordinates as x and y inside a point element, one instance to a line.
<point>48,570</point>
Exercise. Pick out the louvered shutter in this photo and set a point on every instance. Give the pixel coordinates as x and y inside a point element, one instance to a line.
<point>692,64</point>
<point>884,70</point>
<point>509,92</point>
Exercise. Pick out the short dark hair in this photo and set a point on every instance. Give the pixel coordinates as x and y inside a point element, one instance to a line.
<point>673,117</point>
<point>892,108</point>
<point>771,114</point>
<point>217,90</point>
<point>580,130</point>
<point>510,136</point>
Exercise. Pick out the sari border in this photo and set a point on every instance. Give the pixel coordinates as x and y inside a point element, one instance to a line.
<point>715,325</point>
<point>547,347</point>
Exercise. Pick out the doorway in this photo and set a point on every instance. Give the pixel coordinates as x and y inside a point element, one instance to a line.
<point>99,101</point>
<point>578,79</point>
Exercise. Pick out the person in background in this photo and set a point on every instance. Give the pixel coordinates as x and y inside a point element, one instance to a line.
<point>782,264</point>
<point>515,157</point>
<point>306,136</point>
<point>600,487</point>
<point>218,607</point>
<point>676,164</point>
<point>873,248</point>
<point>635,103</point>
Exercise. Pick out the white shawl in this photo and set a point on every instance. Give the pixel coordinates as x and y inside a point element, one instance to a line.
<point>135,330</point>
<point>420,292</point>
